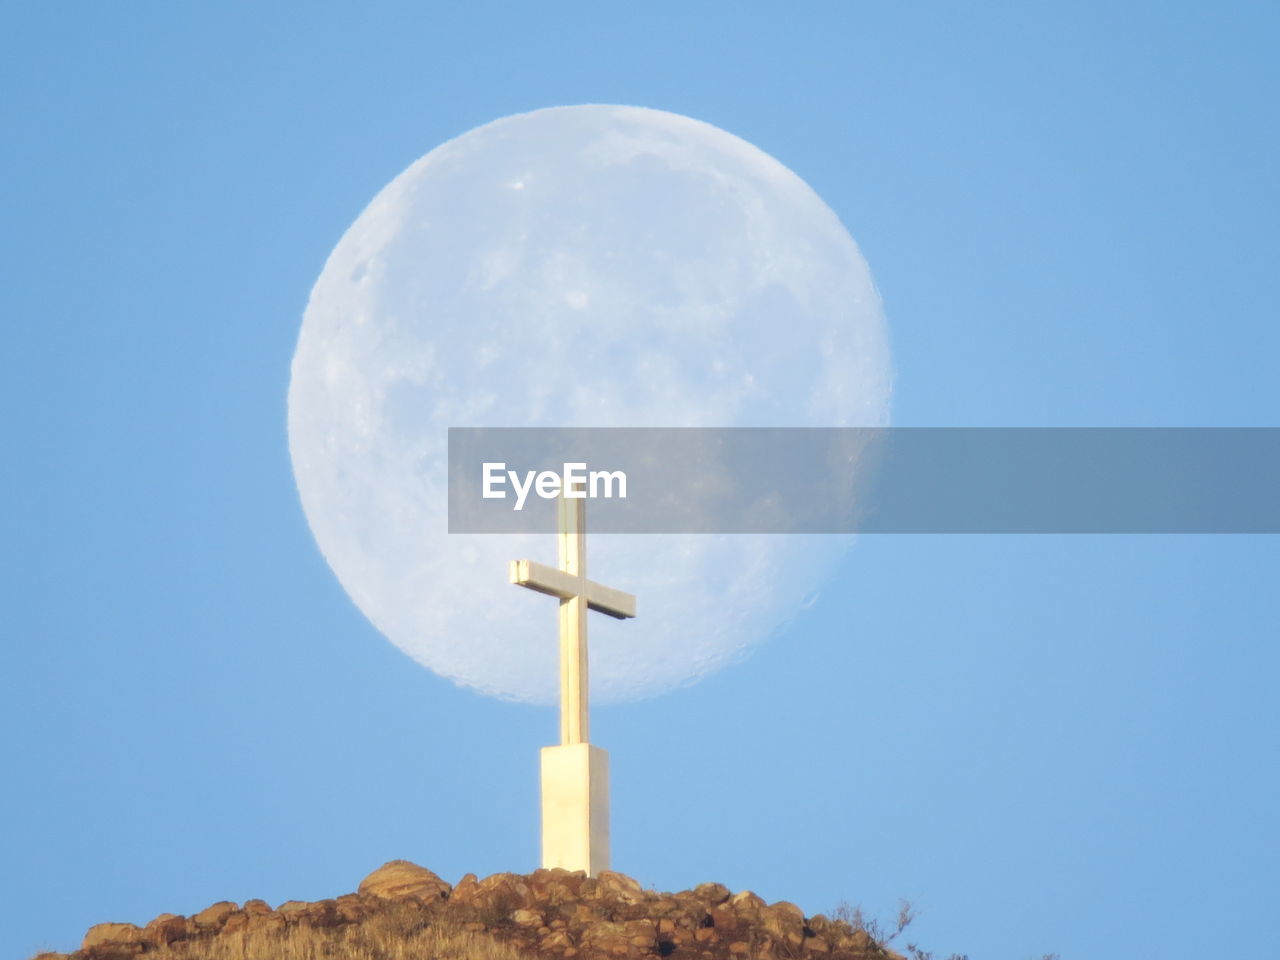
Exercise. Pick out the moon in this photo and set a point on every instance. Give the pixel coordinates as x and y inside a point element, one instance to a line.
<point>584,266</point>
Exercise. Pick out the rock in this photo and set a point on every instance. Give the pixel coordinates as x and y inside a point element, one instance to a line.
<point>712,893</point>
<point>257,908</point>
<point>501,894</point>
<point>618,887</point>
<point>213,917</point>
<point>237,921</point>
<point>546,915</point>
<point>466,889</point>
<point>264,921</point>
<point>113,934</point>
<point>165,929</point>
<point>402,880</point>
<point>325,913</point>
<point>322,913</point>
<point>666,906</point>
<point>555,940</point>
<point>605,932</point>
<point>641,933</point>
<point>787,908</point>
<point>783,920</point>
<point>555,886</point>
<point>859,941</point>
<point>723,917</point>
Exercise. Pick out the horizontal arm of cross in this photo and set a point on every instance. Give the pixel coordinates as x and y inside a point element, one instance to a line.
<point>557,583</point>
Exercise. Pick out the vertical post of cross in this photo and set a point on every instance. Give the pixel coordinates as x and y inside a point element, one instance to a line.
<point>573,621</point>
<point>575,774</point>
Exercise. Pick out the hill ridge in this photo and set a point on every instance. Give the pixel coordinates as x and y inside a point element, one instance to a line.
<point>403,911</point>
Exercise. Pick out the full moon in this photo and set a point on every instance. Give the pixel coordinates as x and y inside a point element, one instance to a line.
<point>588,266</point>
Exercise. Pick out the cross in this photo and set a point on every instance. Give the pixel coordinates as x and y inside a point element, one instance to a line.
<point>575,774</point>
<point>577,594</point>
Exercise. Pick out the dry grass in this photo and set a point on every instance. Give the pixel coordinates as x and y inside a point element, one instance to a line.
<point>394,936</point>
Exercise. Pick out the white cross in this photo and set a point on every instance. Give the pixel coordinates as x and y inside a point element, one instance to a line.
<point>577,594</point>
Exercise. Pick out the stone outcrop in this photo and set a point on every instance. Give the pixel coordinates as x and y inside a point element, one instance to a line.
<point>402,880</point>
<point>546,914</point>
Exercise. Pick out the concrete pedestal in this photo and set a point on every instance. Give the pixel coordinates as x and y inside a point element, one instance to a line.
<point>575,808</point>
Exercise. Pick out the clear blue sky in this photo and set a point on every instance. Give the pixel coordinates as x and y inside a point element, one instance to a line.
<point>1048,743</point>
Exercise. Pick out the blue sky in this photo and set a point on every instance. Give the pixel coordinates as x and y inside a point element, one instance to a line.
<point>1048,743</point>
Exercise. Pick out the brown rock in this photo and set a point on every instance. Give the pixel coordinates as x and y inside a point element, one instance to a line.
<point>747,904</point>
<point>601,931</point>
<point>466,889</point>
<point>352,907</point>
<point>527,918</point>
<point>257,908</point>
<point>265,921</point>
<point>114,934</point>
<point>712,893</point>
<point>213,917</point>
<point>322,913</point>
<point>555,886</point>
<point>618,887</point>
<point>580,913</point>
<point>556,940</point>
<point>237,921</point>
<point>706,935</point>
<point>165,929</point>
<point>816,945</point>
<point>859,941</point>
<point>787,908</point>
<point>641,933</point>
<point>402,880</point>
<point>501,894</point>
<point>783,920</point>
<point>739,947</point>
<point>723,917</point>
<point>620,938</point>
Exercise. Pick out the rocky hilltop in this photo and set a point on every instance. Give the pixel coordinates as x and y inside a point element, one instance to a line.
<point>405,912</point>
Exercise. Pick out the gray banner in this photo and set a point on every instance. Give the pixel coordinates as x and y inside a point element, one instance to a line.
<point>891,480</point>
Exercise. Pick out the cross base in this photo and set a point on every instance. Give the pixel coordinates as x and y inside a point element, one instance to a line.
<point>575,807</point>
